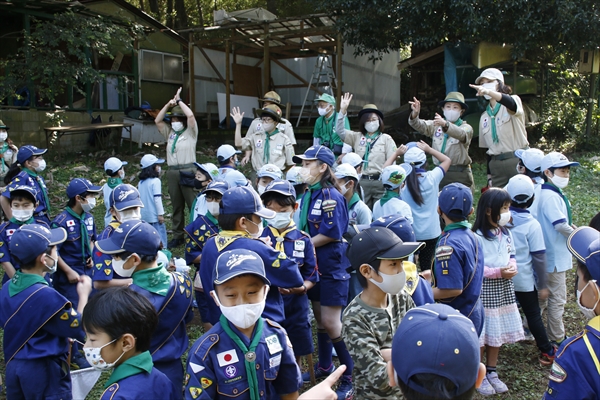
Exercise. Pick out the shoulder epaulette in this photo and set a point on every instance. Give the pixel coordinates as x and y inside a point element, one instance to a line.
<point>273,323</point>
<point>207,343</point>
<point>110,391</point>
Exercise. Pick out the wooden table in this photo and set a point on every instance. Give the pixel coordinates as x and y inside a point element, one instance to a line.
<point>70,130</point>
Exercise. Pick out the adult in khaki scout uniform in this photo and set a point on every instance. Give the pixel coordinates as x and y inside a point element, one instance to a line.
<point>501,126</point>
<point>268,145</point>
<point>450,136</point>
<point>284,125</point>
<point>371,144</point>
<point>181,134</point>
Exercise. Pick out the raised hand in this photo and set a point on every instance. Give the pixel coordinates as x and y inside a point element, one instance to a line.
<point>424,146</point>
<point>236,115</point>
<point>345,102</point>
<point>439,120</point>
<point>415,106</point>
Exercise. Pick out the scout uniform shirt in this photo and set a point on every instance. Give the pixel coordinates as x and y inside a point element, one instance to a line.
<point>325,132</point>
<point>284,126</point>
<point>217,368</point>
<point>137,379</point>
<point>454,143</point>
<point>510,129</point>
<point>202,228</point>
<point>366,331</point>
<point>274,148</point>
<point>575,373</point>
<point>103,270</point>
<point>181,148</point>
<point>30,178</point>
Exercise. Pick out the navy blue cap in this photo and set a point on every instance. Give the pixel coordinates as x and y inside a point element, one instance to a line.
<point>397,224</point>
<point>31,240</point>
<point>134,236</point>
<point>28,151</point>
<point>243,200</point>
<point>456,200</point>
<point>378,244</point>
<point>125,196</point>
<point>79,186</point>
<point>238,262</point>
<point>320,153</point>
<point>217,186</point>
<point>282,187</point>
<point>31,192</point>
<point>438,340</point>
<point>584,244</point>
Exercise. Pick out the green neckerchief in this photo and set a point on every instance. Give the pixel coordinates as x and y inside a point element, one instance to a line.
<point>133,366</point>
<point>353,200</point>
<point>85,239</point>
<point>492,114</point>
<point>303,220</point>
<point>567,202</point>
<point>324,130</point>
<point>267,152</point>
<point>156,280</point>
<point>389,194</point>
<point>29,221</point>
<point>369,142</point>
<point>250,365</point>
<point>21,281</point>
<point>212,218</point>
<point>177,134</point>
<point>457,225</point>
<point>458,122</point>
<point>42,188</point>
<point>113,182</point>
<point>2,151</point>
<point>192,209</point>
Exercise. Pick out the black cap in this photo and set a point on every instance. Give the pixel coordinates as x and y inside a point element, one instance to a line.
<point>378,244</point>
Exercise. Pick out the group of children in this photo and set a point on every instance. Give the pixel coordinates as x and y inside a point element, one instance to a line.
<point>261,257</point>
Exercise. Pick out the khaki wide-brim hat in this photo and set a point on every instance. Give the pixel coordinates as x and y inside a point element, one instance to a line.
<point>454,97</point>
<point>370,108</point>
<point>3,125</point>
<point>176,112</point>
<point>272,111</point>
<point>272,97</point>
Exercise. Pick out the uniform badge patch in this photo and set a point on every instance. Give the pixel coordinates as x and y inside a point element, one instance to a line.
<point>227,357</point>
<point>205,382</point>
<point>273,344</point>
<point>107,262</point>
<point>299,245</point>
<point>196,232</point>
<point>329,205</point>
<point>275,264</point>
<point>195,392</point>
<point>65,316</point>
<point>75,323</point>
<point>107,271</point>
<point>196,367</point>
<point>186,379</point>
<point>275,361</point>
<point>70,223</point>
<point>230,371</point>
<point>443,253</point>
<point>557,373</point>
<point>99,266</point>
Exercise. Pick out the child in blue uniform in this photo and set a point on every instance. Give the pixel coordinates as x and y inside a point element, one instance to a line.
<point>265,175</point>
<point>36,344</point>
<point>240,219</point>
<point>458,266</point>
<point>22,204</point>
<point>30,162</point>
<point>119,324</point>
<point>575,373</point>
<point>393,177</point>
<point>115,171</point>
<point>244,355</point>
<point>134,246</point>
<point>199,231</point>
<point>151,194</point>
<point>324,216</point>
<point>280,197</point>
<point>125,205</point>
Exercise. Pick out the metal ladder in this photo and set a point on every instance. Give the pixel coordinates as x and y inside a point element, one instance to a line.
<point>322,75</point>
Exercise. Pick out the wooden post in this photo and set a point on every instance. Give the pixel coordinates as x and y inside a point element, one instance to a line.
<point>192,73</point>
<point>339,53</point>
<point>266,61</point>
<point>227,85</point>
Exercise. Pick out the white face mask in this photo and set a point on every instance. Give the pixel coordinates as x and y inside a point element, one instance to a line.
<point>323,111</point>
<point>344,189</point>
<point>504,218</point>
<point>3,136</point>
<point>213,208</point>
<point>177,126</point>
<point>41,165</point>
<point>372,126</point>
<point>93,356</point>
<point>559,181</point>
<point>257,234</point>
<point>121,173</point>
<point>22,215</point>
<point>305,175</point>
<point>280,221</point>
<point>452,115</point>
<point>490,86</point>
<point>51,269</point>
<point>244,315</point>
<point>268,126</point>
<point>117,266</point>
<point>89,206</point>
<point>158,170</point>
<point>261,189</point>
<point>588,313</point>
<point>392,284</point>
<point>129,214</point>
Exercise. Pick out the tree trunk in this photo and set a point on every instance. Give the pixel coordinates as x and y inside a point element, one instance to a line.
<point>170,13</point>
<point>154,9</point>
<point>200,16</point>
<point>181,19</point>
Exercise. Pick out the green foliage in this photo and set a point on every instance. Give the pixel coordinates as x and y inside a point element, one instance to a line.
<point>58,53</point>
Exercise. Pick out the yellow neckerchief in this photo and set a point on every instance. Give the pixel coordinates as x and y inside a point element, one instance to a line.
<point>280,237</point>
<point>594,323</point>
<point>225,238</point>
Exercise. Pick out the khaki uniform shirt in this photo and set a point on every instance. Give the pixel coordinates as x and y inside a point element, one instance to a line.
<point>185,149</point>
<point>281,150</point>
<point>366,331</point>
<point>284,126</point>
<point>510,128</point>
<point>457,143</point>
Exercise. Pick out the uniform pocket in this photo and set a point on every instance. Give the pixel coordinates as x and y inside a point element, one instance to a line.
<point>233,389</point>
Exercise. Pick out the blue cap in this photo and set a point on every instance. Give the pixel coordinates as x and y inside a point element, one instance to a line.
<point>285,188</point>
<point>238,262</point>
<point>125,196</point>
<point>235,178</point>
<point>134,236</point>
<point>149,160</point>
<point>320,153</point>
<point>271,171</point>
<point>31,240</point>
<point>293,175</point>
<point>439,340</point>
<point>456,200</point>
<point>397,224</point>
<point>28,151</point>
<point>79,186</point>
<point>243,200</point>
<point>217,186</point>
<point>584,244</point>
<point>24,188</point>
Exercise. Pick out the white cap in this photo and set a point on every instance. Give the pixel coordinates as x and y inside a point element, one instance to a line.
<point>293,175</point>
<point>353,159</point>
<point>345,171</point>
<point>114,164</point>
<point>150,159</point>
<point>531,158</point>
<point>394,175</point>
<point>520,185</point>
<point>271,171</point>
<point>556,160</point>
<point>415,155</point>
<point>226,151</point>
<point>492,74</point>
